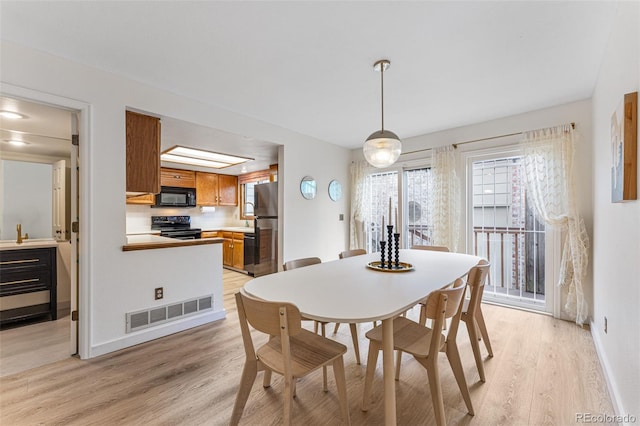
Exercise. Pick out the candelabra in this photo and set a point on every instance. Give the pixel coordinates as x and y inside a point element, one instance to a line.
<point>396,239</point>
<point>390,246</point>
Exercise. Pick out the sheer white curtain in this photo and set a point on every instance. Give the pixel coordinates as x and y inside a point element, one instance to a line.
<point>548,164</point>
<point>446,199</point>
<point>360,202</point>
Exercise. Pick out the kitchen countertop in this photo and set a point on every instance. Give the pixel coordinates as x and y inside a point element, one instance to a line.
<point>28,244</point>
<point>148,242</point>
<point>243,229</point>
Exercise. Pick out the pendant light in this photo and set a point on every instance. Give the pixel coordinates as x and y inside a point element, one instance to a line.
<point>383,147</point>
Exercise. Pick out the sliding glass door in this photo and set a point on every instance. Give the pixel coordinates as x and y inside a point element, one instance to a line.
<point>505,229</point>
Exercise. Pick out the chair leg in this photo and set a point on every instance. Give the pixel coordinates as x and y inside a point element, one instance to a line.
<point>473,336</point>
<point>431,365</point>
<point>288,399</point>
<point>354,337</point>
<point>458,372</point>
<point>372,359</point>
<point>341,384</point>
<point>266,380</point>
<point>249,373</point>
<point>398,363</point>
<point>335,329</point>
<point>315,327</point>
<point>483,331</point>
<point>323,328</point>
<point>423,315</point>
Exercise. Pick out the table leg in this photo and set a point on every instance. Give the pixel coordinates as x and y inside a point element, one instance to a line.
<point>388,373</point>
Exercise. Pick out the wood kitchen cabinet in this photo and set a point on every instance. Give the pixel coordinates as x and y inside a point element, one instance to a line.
<point>233,249</point>
<point>178,177</point>
<point>209,234</point>
<point>216,190</point>
<point>145,199</point>
<point>143,154</point>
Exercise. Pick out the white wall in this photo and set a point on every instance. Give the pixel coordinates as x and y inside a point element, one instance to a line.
<point>27,191</point>
<point>312,227</point>
<point>617,226</point>
<point>112,281</point>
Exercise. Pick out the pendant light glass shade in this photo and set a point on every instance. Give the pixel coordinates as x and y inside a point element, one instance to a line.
<point>383,147</point>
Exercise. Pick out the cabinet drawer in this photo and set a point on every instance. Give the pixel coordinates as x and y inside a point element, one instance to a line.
<point>28,258</point>
<point>177,177</point>
<point>227,234</point>
<point>24,281</point>
<point>209,234</point>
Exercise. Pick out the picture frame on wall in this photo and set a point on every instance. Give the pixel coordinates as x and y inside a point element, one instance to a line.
<point>624,150</point>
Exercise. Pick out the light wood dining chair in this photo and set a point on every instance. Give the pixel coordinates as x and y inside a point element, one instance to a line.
<point>299,263</point>
<point>424,344</point>
<point>423,318</point>
<point>291,351</point>
<point>354,329</point>
<point>351,253</point>
<point>472,313</point>
<point>307,261</point>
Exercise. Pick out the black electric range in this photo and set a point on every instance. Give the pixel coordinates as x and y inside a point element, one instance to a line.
<point>178,227</point>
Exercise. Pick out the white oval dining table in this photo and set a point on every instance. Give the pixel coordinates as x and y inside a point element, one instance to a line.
<point>348,291</point>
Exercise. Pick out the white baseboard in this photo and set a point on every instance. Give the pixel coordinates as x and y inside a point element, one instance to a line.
<point>608,376</point>
<point>156,332</point>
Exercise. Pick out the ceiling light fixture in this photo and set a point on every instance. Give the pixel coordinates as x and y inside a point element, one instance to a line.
<point>11,114</point>
<point>383,147</point>
<point>198,157</point>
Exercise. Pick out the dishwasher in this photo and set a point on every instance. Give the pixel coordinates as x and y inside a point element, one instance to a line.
<point>249,253</point>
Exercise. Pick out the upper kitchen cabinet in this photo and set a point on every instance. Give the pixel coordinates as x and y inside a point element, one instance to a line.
<point>143,154</point>
<point>216,190</point>
<point>177,177</point>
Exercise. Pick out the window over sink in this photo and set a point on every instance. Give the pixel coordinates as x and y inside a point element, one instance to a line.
<point>247,184</point>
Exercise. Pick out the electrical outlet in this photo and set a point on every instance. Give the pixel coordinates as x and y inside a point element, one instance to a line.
<point>159,292</point>
<point>605,325</point>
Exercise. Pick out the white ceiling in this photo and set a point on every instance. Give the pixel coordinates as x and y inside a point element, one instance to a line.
<point>307,66</point>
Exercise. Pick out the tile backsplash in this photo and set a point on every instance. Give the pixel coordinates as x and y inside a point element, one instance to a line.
<point>139,217</point>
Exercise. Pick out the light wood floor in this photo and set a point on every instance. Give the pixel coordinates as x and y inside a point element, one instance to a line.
<point>544,372</point>
<point>25,347</point>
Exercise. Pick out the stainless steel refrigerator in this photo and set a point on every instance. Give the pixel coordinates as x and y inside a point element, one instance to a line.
<point>266,229</point>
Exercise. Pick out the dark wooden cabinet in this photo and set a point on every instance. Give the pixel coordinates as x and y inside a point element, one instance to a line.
<point>25,271</point>
<point>143,154</point>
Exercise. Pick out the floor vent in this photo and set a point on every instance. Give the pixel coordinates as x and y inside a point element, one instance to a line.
<point>161,314</point>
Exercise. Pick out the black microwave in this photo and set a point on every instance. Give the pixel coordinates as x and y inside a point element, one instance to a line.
<point>174,196</point>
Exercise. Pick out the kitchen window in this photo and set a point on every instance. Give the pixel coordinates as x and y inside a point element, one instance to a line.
<point>247,184</point>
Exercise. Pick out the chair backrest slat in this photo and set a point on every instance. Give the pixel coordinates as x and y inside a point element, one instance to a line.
<point>264,316</point>
<point>299,263</point>
<point>432,248</point>
<point>476,280</point>
<point>351,253</point>
<point>454,296</point>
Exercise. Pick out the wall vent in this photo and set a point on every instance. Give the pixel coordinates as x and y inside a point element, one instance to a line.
<point>162,314</point>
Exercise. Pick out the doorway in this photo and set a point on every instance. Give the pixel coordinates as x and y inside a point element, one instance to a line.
<point>504,228</point>
<point>46,130</point>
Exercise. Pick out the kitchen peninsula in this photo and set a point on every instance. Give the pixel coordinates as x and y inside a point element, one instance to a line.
<point>150,241</point>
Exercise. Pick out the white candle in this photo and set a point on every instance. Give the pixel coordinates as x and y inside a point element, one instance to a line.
<point>389,211</point>
<point>396,224</point>
<point>382,239</point>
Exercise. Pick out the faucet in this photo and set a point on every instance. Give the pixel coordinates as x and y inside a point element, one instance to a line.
<point>246,222</point>
<point>20,236</point>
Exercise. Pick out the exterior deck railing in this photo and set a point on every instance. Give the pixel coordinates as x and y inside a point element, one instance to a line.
<point>517,259</point>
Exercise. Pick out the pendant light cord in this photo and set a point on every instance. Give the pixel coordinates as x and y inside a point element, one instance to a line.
<point>382,95</point>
